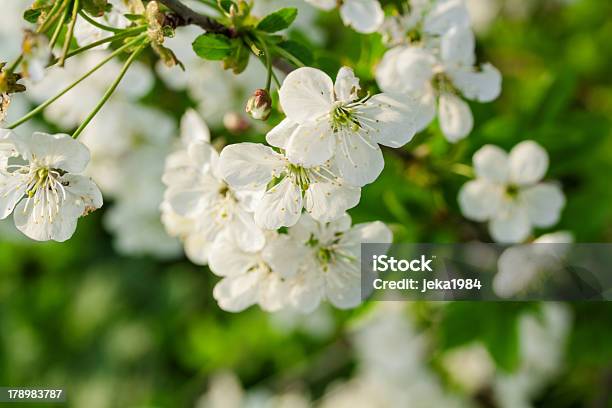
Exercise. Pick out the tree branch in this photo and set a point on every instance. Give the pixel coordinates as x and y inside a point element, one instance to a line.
<point>183,15</point>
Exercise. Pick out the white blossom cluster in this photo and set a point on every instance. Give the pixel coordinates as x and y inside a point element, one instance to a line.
<point>433,58</point>
<point>393,369</point>
<point>222,220</point>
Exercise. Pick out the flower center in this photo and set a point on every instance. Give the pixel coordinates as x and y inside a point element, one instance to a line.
<point>442,83</point>
<point>299,175</point>
<point>512,191</point>
<point>45,192</point>
<point>343,117</point>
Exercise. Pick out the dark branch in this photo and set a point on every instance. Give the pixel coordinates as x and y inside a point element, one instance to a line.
<point>183,15</point>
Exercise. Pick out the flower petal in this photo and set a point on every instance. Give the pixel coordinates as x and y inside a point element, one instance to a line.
<point>236,293</point>
<point>387,76</point>
<point>328,201</point>
<point>482,86</point>
<point>390,119</point>
<point>359,162</point>
<point>510,225</point>
<point>12,189</point>
<point>346,86</point>
<point>193,128</point>
<point>306,94</point>
<point>248,236</point>
<point>343,284</point>
<point>281,206</point>
<point>282,253</point>
<point>221,264</point>
<point>365,16</point>
<point>544,203</point>
<point>446,14</point>
<point>415,68</point>
<point>280,134</point>
<point>311,144</point>
<point>491,163</point>
<point>249,165</point>
<point>457,47</point>
<point>455,117</point>
<point>59,151</point>
<point>197,248</point>
<point>528,163</point>
<point>516,269</point>
<point>479,200</point>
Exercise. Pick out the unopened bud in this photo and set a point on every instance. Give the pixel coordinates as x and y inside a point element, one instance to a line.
<point>236,122</point>
<point>259,105</point>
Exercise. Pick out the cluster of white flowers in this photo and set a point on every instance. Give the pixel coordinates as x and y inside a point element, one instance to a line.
<point>433,59</point>
<point>224,210</point>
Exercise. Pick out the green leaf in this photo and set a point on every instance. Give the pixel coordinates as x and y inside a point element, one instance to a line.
<point>213,46</point>
<point>279,20</point>
<point>31,15</point>
<point>297,50</point>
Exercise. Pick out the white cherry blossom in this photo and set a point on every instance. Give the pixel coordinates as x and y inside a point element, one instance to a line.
<point>326,120</point>
<point>254,277</point>
<point>508,192</point>
<point>331,270</point>
<point>439,76</point>
<point>196,191</point>
<point>39,184</point>
<point>364,16</point>
<point>522,266</point>
<point>286,187</point>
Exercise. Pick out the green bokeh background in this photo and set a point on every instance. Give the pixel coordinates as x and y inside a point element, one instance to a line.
<point>148,333</point>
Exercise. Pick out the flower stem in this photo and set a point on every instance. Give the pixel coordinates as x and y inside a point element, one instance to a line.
<point>268,61</point>
<point>289,56</point>
<point>58,30</point>
<point>109,91</point>
<point>68,39</point>
<point>123,34</point>
<point>54,13</point>
<point>101,26</point>
<point>78,81</point>
<point>15,64</point>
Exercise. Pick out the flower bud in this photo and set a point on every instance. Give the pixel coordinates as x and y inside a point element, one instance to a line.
<point>259,105</point>
<point>236,122</point>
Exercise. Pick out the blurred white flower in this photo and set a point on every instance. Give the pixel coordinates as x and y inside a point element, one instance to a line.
<point>470,366</point>
<point>364,16</point>
<point>134,218</point>
<point>73,107</point>
<point>196,191</point>
<point>38,181</point>
<point>331,269</point>
<point>11,27</point>
<point>440,75</point>
<point>326,120</point>
<point>36,56</point>
<point>254,277</point>
<point>287,187</point>
<point>508,192</point>
<point>523,266</point>
<point>542,340</point>
<point>117,130</point>
<point>225,391</point>
<point>86,33</point>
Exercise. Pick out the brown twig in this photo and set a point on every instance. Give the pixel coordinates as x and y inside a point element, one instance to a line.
<point>183,15</point>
